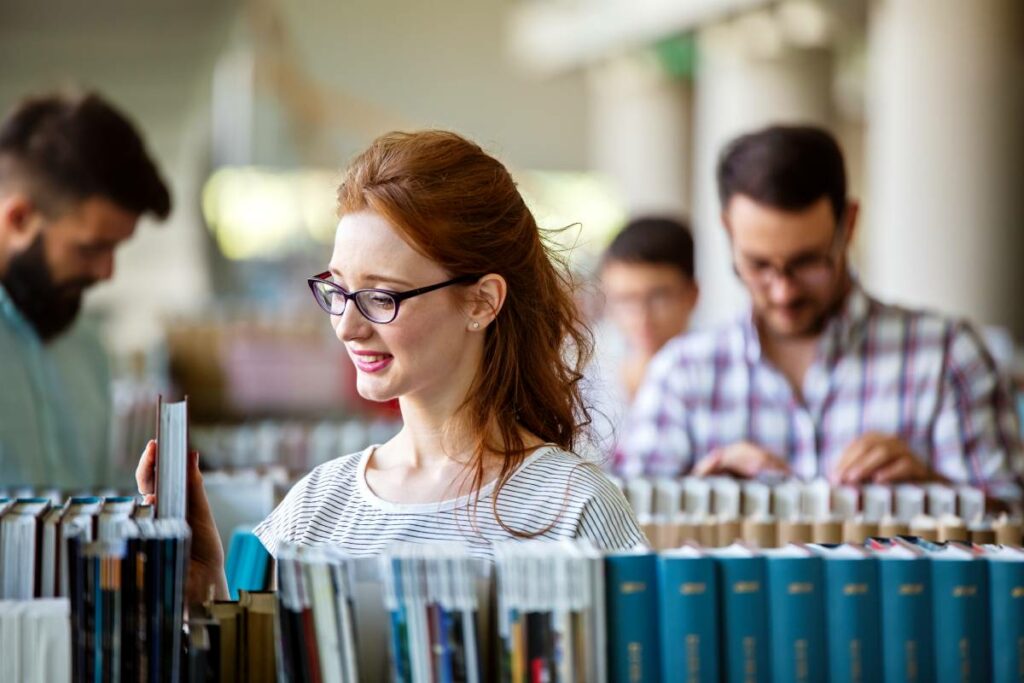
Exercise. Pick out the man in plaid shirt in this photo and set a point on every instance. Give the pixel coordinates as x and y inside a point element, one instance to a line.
<point>819,378</point>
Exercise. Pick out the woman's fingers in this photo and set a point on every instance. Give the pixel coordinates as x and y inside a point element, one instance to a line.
<point>144,472</point>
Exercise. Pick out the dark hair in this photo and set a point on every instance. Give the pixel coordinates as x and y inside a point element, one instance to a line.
<point>460,207</point>
<point>785,167</point>
<point>656,241</point>
<point>67,148</point>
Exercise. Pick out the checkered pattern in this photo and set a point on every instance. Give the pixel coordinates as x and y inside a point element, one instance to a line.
<point>926,379</point>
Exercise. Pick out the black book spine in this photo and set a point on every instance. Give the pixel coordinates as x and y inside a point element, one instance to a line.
<point>77,599</point>
<point>154,612</point>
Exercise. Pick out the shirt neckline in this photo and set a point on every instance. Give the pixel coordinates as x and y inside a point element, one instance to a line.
<point>433,506</point>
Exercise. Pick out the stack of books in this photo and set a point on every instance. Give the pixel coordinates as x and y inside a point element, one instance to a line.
<point>551,622</point>
<point>897,610</point>
<point>234,641</point>
<point>127,595</point>
<point>35,641</point>
<point>33,535</point>
<point>716,511</point>
<point>891,610</point>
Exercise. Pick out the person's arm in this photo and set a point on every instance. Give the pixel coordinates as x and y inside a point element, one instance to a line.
<point>206,576</point>
<point>656,438</point>
<point>976,437</point>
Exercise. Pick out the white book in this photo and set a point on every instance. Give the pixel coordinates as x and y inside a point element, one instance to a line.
<point>172,459</point>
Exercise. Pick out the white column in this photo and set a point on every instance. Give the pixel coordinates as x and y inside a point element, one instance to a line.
<point>945,227</point>
<point>747,78</point>
<point>640,133</point>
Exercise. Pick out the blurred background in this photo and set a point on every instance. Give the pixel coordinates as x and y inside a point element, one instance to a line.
<point>603,109</point>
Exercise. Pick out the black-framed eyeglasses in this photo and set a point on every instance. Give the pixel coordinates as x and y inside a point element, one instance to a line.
<point>810,270</point>
<point>377,305</point>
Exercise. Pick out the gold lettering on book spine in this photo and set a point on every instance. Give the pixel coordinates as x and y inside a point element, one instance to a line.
<point>746,586</point>
<point>636,667</point>
<point>910,650</point>
<point>800,588</point>
<point>630,587</point>
<point>965,591</point>
<point>855,589</point>
<point>693,588</point>
<point>750,659</point>
<point>1017,592</point>
<point>911,589</point>
<point>692,658</point>
<point>856,666</point>
<point>800,655</point>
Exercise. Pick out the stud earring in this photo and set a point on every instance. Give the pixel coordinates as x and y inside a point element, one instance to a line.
<point>476,325</point>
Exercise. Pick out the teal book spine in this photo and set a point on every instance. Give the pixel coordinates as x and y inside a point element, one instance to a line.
<point>853,619</point>
<point>796,601</point>
<point>905,590</point>
<point>689,619</point>
<point>960,605</point>
<point>744,613</point>
<point>1006,588</point>
<point>631,585</point>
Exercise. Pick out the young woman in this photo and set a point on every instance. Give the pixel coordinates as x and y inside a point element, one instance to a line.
<point>445,297</point>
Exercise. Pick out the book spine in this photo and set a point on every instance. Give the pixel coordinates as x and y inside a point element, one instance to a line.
<point>796,601</point>
<point>744,613</point>
<point>960,605</point>
<point>688,615</point>
<point>632,600</point>
<point>854,620</point>
<point>905,593</point>
<point>1006,590</point>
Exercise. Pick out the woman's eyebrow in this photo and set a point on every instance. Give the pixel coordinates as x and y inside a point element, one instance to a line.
<point>372,277</point>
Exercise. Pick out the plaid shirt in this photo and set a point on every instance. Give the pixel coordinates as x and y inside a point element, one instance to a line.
<point>926,379</point>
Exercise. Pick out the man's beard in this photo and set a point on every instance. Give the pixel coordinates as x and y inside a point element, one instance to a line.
<point>49,307</point>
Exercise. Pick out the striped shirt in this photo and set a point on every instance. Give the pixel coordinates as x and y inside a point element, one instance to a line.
<point>334,505</point>
<point>879,368</point>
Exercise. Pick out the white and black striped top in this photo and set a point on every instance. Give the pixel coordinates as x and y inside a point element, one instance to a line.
<point>333,505</point>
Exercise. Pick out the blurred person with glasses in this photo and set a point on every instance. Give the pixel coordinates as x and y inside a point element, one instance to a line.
<point>819,378</point>
<point>446,299</point>
<point>649,292</point>
<point>75,177</point>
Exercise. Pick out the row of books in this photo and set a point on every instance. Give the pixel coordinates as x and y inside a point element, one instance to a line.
<point>33,535</point>
<point>127,596</point>
<point>35,641</point>
<point>299,446</point>
<point>716,511</point>
<point>891,610</point>
<point>233,640</point>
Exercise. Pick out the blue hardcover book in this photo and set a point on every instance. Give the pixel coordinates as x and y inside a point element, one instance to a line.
<point>905,591</point>
<point>631,590</point>
<point>1006,591</point>
<point>796,603</point>
<point>960,605</point>
<point>743,601</point>
<point>852,614</point>
<point>688,616</point>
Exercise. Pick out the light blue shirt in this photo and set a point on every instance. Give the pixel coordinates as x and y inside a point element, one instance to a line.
<point>55,406</point>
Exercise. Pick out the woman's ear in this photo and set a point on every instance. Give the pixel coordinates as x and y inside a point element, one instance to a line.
<point>486,298</point>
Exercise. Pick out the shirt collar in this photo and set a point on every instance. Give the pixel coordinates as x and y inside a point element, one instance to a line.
<point>843,331</point>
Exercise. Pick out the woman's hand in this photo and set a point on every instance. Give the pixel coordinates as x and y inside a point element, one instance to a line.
<point>206,564</point>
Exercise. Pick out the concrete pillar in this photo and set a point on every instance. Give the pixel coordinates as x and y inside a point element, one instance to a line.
<point>945,225</point>
<point>747,77</point>
<point>640,133</point>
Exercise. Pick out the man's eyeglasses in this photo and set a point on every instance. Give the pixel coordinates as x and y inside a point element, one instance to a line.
<point>809,270</point>
<point>377,305</point>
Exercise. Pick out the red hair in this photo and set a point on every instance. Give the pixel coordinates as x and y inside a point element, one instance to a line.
<point>459,206</point>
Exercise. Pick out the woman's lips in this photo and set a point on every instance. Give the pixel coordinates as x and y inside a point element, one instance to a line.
<point>371,362</point>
